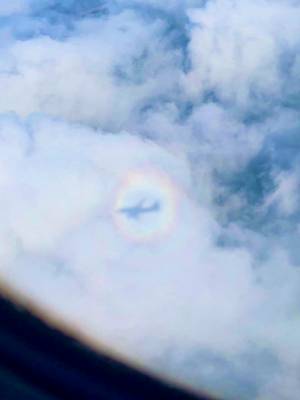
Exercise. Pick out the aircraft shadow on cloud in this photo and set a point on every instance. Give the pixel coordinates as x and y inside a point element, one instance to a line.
<point>136,211</point>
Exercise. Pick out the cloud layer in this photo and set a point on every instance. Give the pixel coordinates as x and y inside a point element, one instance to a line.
<point>149,181</point>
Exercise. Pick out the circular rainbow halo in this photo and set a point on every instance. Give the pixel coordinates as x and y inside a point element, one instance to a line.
<point>145,205</point>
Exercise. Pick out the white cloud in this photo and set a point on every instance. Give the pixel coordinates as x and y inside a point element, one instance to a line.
<point>13,7</point>
<point>77,78</point>
<point>286,193</point>
<point>238,49</point>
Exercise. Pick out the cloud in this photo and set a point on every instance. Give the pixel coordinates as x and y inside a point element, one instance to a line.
<point>13,7</point>
<point>243,52</point>
<point>190,105</point>
<point>105,84</point>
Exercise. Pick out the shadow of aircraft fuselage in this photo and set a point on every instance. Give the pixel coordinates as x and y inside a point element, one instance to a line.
<point>135,212</point>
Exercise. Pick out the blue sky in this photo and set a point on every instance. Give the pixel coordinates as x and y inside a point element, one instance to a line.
<point>192,105</point>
